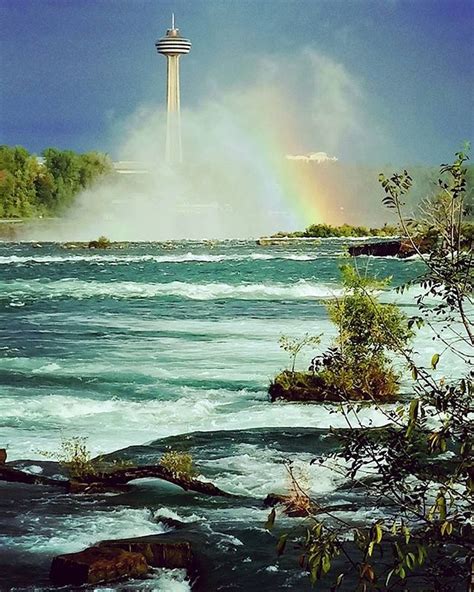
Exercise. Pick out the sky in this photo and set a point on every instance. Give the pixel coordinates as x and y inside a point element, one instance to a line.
<point>74,72</point>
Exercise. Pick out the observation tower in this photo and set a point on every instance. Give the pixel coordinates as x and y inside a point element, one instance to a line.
<point>173,46</point>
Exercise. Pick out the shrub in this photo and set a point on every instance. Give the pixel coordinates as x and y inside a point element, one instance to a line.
<point>75,457</point>
<point>294,346</point>
<point>357,367</point>
<point>101,243</point>
<point>179,463</point>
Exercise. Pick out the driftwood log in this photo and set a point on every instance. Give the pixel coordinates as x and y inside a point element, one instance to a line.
<point>12,475</point>
<point>106,481</point>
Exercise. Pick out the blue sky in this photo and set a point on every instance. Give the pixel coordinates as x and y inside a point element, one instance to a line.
<point>73,70</point>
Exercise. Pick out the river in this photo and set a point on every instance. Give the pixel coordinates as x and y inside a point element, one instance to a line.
<point>155,346</point>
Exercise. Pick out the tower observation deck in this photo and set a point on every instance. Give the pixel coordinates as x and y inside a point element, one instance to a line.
<point>173,46</point>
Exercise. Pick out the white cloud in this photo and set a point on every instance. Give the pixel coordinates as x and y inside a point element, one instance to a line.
<point>318,157</point>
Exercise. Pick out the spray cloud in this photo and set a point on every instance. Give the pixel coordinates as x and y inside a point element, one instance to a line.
<point>237,151</point>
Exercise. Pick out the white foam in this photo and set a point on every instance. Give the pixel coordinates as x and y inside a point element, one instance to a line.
<point>255,471</point>
<point>127,259</point>
<point>159,580</point>
<point>39,423</point>
<point>79,289</point>
<point>73,532</point>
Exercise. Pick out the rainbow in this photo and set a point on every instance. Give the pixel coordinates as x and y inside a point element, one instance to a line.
<point>307,190</point>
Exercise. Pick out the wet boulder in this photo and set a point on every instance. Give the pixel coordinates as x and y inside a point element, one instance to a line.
<point>97,565</point>
<point>170,551</point>
<point>159,551</point>
<point>170,522</point>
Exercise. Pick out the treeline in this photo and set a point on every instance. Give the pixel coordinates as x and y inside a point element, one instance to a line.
<point>32,187</point>
<point>345,230</point>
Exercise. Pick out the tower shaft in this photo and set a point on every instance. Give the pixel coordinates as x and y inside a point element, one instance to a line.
<point>174,152</point>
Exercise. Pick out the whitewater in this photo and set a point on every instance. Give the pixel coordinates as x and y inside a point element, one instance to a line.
<point>151,347</point>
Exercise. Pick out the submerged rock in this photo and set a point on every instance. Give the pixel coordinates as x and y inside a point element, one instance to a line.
<point>170,522</point>
<point>97,565</point>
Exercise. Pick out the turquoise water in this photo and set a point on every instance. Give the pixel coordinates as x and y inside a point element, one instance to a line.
<point>148,347</point>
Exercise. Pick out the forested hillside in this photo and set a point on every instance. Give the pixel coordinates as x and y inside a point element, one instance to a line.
<point>32,187</point>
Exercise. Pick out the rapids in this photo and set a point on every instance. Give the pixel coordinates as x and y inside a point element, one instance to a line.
<point>152,346</point>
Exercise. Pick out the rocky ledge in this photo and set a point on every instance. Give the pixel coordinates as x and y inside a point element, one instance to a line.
<point>401,248</point>
<point>110,561</point>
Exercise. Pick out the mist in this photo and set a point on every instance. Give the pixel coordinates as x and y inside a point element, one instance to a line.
<point>252,153</point>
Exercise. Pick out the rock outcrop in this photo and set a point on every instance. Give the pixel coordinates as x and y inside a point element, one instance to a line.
<point>160,551</point>
<point>109,561</point>
<point>401,248</point>
<point>97,565</point>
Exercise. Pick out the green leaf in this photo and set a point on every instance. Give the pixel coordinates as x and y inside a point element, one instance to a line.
<point>406,533</point>
<point>410,560</point>
<point>389,577</point>
<point>326,564</point>
<point>378,533</point>
<point>414,372</point>
<point>270,520</point>
<point>441,506</point>
<point>434,361</point>
<point>281,544</point>
<point>414,405</point>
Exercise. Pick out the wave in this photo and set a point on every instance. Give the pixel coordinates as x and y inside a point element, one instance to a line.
<point>75,532</point>
<point>126,259</point>
<point>79,289</point>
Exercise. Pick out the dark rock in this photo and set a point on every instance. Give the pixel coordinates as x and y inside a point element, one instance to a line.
<point>159,552</point>
<point>99,487</point>
<point>170,522</point>
<point>173,552</point>
<point>401,248</point>
<point>377,249</point>
<point>8,473</point>
<point>273,499</point>
<point>3,456</point>
<point>97,564</point>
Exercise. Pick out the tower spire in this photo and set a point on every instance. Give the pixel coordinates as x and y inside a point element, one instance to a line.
<point>172,20</point>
